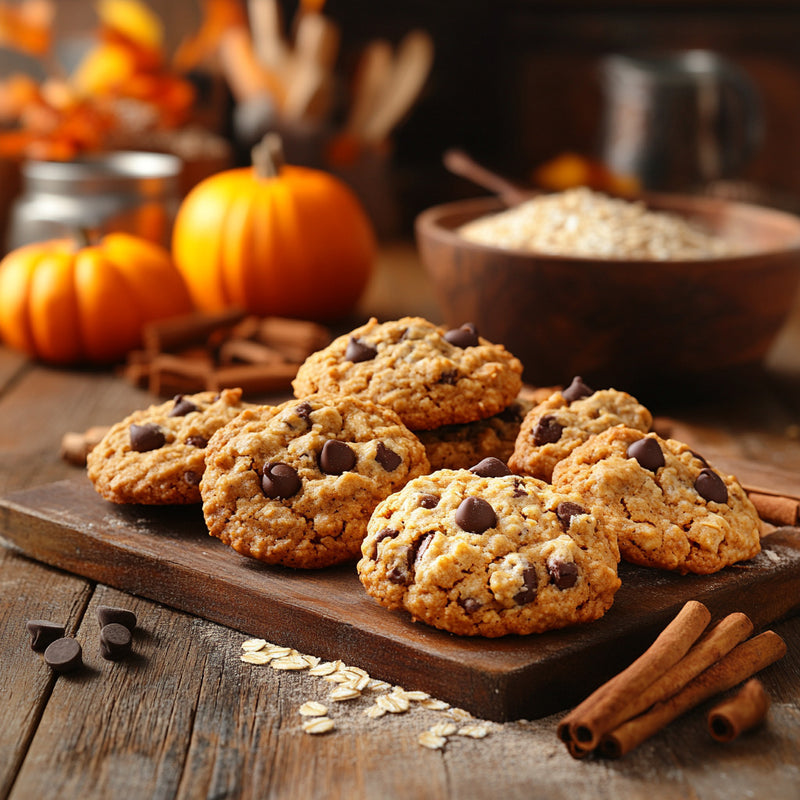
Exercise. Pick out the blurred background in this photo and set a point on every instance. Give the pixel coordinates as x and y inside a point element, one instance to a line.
<point>516,83</point>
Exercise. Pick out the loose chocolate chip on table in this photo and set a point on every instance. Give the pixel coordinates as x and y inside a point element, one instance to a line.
<point>359,351</point>
<point>115,641</point>
<point>647,452</point>
<point>711,487</point>
<point>387,457</point>
<point>280,481</point>
<point>428,500</point>
<point>465,336</point>
<point>146,437</point>
<point>43,632</point>
<point>336,457</point>
<point>490,467</point>
<point>63,655</point>
<point>527,594</point>
<point>475,515</point>
<point>566,510</point>
<point>182,407</point>
<point>576,390</point>
<point>547,430</point>
<point>200,442</point>
<point>122,616</point>
<point>563,574</point>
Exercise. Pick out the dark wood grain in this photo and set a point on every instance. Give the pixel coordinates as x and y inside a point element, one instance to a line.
<point>165,554</point>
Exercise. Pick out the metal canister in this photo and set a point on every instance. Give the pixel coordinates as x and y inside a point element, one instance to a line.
<point>135,192</point>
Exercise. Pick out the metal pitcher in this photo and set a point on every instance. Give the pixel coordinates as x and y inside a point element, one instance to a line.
<point>679,120</point>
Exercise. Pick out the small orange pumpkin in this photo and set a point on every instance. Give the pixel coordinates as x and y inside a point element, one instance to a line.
<point>68,304</point>
<point>274,239</point>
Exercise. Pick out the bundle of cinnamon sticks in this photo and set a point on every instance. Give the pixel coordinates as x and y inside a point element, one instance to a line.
<point>212,351</point>
<point>686,665</point>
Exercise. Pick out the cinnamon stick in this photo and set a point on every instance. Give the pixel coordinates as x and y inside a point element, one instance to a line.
<point>775,509</point>
<point>741,663</point>
<point>745,710</point>
<point>176,333</point>
<point>590,720</point>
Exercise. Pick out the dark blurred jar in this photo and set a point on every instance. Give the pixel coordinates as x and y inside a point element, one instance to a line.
<point>133,192</point>
<point>678,120</point>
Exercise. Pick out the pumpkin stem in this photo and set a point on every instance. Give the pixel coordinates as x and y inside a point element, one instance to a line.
<point>83,237</point>
<point>267,156</point>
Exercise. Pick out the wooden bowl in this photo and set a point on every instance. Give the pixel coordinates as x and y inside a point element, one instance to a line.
<point>627,324</point>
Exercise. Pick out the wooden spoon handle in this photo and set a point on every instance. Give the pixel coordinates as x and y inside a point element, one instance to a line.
<point>463,165</point>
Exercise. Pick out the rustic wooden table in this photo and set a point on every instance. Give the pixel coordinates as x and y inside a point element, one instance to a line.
<point>187,718</point>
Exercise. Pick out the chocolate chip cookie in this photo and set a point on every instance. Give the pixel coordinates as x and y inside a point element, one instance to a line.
<point>483,552</point>
<point>461,446</point>
<point>669,508</point>
<point>296,483</point>
<point>428,375</point>
<point>556,426</point>
<point>155,456</point>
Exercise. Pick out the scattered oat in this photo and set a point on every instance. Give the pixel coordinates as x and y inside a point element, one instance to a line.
<point>312,661</point>
<point>312,708</point>
<point>432,704</point>
<point>253,645</point>
<point>344,693</point>
<point>256,657</point>
<point>473,731</point>
<point>325,668</point>
<point>318,725</point>
<point>378,686</point>
<point>278,651</point>
<point>416,696</point>
<point>393,703</point>
<point>374,711</point>
<point>289,662</point>
<point>460,714</point>
<point>443,729</point>
<point>431,740</point>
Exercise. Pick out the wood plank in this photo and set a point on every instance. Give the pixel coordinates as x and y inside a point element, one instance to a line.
<point>29,591</point>
<point>166,555</point>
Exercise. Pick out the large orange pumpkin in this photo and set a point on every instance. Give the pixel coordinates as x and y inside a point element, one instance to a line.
<point>66,303</point>
<point>274,239</point>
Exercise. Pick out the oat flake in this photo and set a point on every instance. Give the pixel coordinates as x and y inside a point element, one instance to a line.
<point>312,708</point>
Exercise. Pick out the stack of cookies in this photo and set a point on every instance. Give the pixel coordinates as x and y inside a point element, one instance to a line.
<point>409,447</point>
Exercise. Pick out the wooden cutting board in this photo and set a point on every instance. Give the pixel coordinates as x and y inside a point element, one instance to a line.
<point>165,554</point>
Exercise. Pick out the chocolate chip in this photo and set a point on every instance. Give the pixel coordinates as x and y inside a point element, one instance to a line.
<point>428,500</point>
<point>146,437</point>
<point>465,336</point>
<point>647,452</point>
<point>512,413</point>
<point>182,407</point>
<point>469,604</point>
<point>304,411</point>
<point>398,573</point>
<point>449,377</point>
<point>527,594</point>
<point>112,614</point>
<point>576,390</point>
<point>475,515</point>
<point>490,467</point>
<point>519,491</point>
<point>566,510</point>
<point>359,351</point>
<point>699,458</point>
<point>387,458</point>
<point>115,641</point>
<point>711,487</point>
<point>192,478</point>
<point>43,632</point>
<point>384,533</point>
<point>563,574</point>
<point>200,442</point>
<point>63,655</point>
<point>280,481</point>
<point>336,457</point>
<point>547,430</point>
<point>419,547</point>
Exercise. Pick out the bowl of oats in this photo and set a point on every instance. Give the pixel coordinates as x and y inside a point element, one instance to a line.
<point>628,293</point>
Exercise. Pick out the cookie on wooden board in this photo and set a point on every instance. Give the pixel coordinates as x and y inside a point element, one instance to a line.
<point>669,508</point>
<point>483,552</point>
<point>428,375</point>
